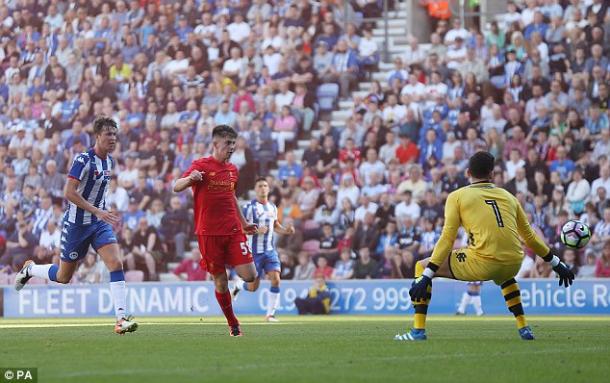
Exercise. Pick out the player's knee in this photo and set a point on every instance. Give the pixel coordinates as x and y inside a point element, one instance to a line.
<point>63,279</point>
<point>255,285</point>
<point>114,265</point>
<point>252,278</point>
<point>221,289</point>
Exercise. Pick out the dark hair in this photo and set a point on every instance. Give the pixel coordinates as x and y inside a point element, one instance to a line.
<point>101,122</point>
<point>481,164</point>
<point>260,179</point>
<point>224,131</point>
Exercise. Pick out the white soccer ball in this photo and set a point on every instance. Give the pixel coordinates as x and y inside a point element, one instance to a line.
<point>575,234</point>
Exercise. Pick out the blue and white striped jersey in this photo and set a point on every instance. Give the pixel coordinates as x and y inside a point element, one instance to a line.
<point>94,174</point>
<point>262,215</point>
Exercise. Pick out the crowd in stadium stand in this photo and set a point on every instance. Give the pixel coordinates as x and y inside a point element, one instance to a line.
<point>367,197</point>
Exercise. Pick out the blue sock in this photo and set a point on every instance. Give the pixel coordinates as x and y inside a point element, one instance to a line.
<point>53,272</point>
<point>274,289</point>
<point>116,276</point>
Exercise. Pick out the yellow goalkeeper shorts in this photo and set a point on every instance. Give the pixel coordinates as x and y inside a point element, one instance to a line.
<point>466,265</point>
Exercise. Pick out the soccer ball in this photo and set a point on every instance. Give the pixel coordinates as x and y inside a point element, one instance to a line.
<point>575,234</point>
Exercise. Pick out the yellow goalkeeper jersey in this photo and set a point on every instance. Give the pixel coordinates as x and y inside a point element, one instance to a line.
<point>494,221</point>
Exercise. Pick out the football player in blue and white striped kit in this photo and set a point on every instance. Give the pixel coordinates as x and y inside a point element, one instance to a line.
<point>88,223</point>
<point>264,213</point>
<point>471,296</point>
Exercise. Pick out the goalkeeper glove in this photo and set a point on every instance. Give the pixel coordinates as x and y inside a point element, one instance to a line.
<point>566,276</point>
<point>419,289</point>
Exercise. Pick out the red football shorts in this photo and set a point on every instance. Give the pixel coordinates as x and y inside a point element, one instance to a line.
<point>217,251</point>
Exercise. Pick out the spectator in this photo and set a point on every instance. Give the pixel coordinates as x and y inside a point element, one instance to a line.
<point>190,268</point>
<point>344,68</point>
<point>414,184</point>
<point>406,267</point>
<point>133,214</point>
<point>285,128</point>
<point>287,265</point>
<point>366,267</point>
<point>155,213</point>
<point>601,232</point>
<point>138,248</point>
<point>368,55</point>
<point>308,197</point>
<point>303,105</point>
<point>53,181</point>
<point>50,239</point>
<point>387,239</point>
<point>344,267</point>
<point>328,245</point>
<point>42,215</point>
<point>407,207</point>
<point>578,191</point>
<point>602,266</point>
<point>90,270</point>
<point>174,227</point>
<point>370,166</point>
<point>323,270</point>
<point>117,195</point>
<point>305,268</point>
<point>317,300</point>
<point>603,181</point>
<point>19,247</point>
<point>366,207</point>
<point>367,233</point>
<point>562,165</point>
<point>588,269</point>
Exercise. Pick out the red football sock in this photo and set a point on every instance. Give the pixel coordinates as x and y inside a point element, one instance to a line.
<point>224,301</point>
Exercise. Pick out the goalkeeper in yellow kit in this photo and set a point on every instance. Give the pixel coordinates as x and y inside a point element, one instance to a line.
<point>495,223</point>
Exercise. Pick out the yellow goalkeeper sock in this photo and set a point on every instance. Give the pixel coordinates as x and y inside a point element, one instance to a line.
<point>421,310</point>
<point>420,306</point>
<point>512,296</point>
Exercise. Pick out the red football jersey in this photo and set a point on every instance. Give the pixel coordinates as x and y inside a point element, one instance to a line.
<point>214,197</point>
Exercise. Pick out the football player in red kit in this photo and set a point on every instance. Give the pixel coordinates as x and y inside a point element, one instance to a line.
<point>219,223</point>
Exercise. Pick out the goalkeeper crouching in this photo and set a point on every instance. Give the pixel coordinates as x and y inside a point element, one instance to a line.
<point>495,223</point>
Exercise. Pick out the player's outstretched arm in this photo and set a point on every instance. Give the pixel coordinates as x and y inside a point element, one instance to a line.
<point>534,242</point>
<point>71,194</point>
<point>188,181</point>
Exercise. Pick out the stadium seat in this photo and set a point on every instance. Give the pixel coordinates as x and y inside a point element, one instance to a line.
<point>172,265</point>
<point>168,277</point>
<point>327,96</point>
<point>312,246</point>
<point>310,225</point>
<point>134,276</point>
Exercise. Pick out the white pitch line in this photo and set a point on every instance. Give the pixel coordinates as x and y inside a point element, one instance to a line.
<point>57,325</point>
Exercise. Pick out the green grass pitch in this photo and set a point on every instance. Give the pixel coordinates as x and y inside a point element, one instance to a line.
<point>310,349</point>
